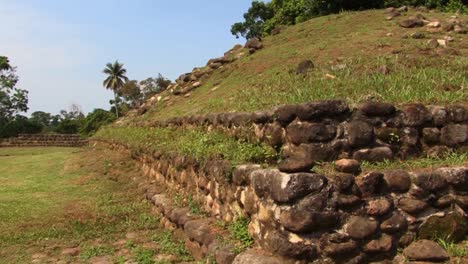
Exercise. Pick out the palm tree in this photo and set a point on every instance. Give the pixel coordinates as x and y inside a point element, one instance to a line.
<point>115,80</point>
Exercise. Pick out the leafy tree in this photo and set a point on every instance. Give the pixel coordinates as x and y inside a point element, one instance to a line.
<point>12,99</point>
<point>131,93</point>
<point>116,77</point>
<point>41,118</point>
<point>254,20</point>
<point>152,86</point>
<point>69,126</point>
<point>95,120</point>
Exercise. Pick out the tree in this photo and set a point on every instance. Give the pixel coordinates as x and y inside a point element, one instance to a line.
<point>131,93</point>
<point>12,99</point>
<point>115,79</point>
<point>41,118</point>
<point>254,20</point>
<point>152,86</point>
<point>95,120</point>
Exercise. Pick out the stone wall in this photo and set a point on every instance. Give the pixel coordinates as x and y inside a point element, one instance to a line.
<point>346,216</point>
<point>44,140</point>
<point>330,130</point>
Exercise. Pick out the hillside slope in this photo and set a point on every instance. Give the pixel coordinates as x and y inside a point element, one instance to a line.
<point>356,56</point>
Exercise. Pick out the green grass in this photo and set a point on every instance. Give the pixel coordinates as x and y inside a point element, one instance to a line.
<point>57,198</point>
<point>239,229</point>
<point>192,142</point>
<point>264,79</point>
<point>170,245</point>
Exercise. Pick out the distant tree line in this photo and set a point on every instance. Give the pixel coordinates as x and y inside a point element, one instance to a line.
<point>263,17</point>
<point>14,101</point>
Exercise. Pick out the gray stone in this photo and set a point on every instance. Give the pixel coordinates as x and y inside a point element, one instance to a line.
<point>457,177</point>
<point>360,227</point>
<point>454,134</point>
<point>283,187</point>
<point>425,250</point>
<point>252,256</point>
<point>304,132</point>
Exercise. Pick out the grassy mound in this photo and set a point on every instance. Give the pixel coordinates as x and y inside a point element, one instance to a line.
<point>357,56</point>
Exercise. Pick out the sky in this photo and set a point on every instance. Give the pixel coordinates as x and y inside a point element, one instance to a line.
<point>60,47</point>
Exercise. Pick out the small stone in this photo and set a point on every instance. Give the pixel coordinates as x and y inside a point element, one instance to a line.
<point>432,43</point>
<point>348,166</point>
<point>418,35</point>
<point>383,244</point>
<point>411,23</point>
<point>435,24</point>
<point>397,180</point>
<point>442,42</point>
<point>394,224</point>
<point>379,207</point>
<point>360,227</point>
<point>304,67</point>
<point>425,250</point>
<point>71,251</point>
<point>411,205</point>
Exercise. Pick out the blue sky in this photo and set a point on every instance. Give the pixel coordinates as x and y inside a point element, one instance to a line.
<point>61,46</point>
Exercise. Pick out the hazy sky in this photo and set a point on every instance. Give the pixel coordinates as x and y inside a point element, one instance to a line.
<point>61,46</point>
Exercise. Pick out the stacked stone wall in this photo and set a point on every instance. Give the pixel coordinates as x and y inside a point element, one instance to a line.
<point>44,140</point>
<point>328,130</point>
<point>346,216</point>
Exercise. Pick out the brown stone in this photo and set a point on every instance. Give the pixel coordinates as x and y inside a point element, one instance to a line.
<point>300,221</point>
<point>431,135</point>
<point>378,154</point>
<point>320,109</point>
<point>348,200</point>
<point>411,23</point>
<point>415,115</point>
<point>348,166</point>
<point>252,256</point>
<point>304,132</point>
<point>457,177</point>
<point>286,114</point>
<point>425,250</point>
<point>394,224</point>
<point>304,66</point>
<point>397,180</point>
<point>360,227</point>
<point>369,183</point>
<point>340,249</point>
<point>377,109</point>
<point>411,205</point>
<point>343,181</point>
<point>292,165</point>
<point>430,181</point>
<point>383,244</point>
<point>225,255</point>
<point>379,207</point>
<point>254,43</point>
<point>359,133</point>
<point>288,245</point>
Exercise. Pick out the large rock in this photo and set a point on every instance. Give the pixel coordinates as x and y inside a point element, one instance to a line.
<point>457,177</point>
<point>411,23</point>
<point>359,133</point>
<point>294,164</point>
<point>299,221</point>
<point>241,174</point>
<point>379,207</point>
<point>454,134</point>
<point>317,110</point>
<point>254,43</point>
<point>348,166</point>
<point>289,245</point>
<point>283,187</point>
<point>359,227</point>
<point>425,250</point>
<point>415,115</point>
<point>253,256</point>
<point>430,181</point>
<point>397,180</point>
<point>394,224</point>
<point>370,183</point>
<point>381,245</point>
<point>377,109</point>
<point>304,132</point>
<point>452,226</point>
<point>378,154</point>
<point>412,205</point>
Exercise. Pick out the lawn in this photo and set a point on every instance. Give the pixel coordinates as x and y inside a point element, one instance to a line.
<point>77,205</point>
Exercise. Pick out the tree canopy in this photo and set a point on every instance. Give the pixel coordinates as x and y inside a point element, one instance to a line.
<point>116,78</point>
